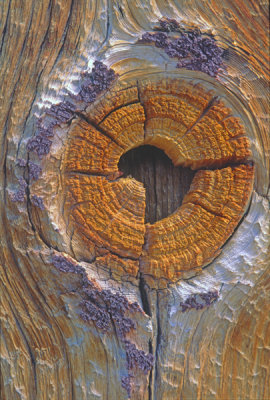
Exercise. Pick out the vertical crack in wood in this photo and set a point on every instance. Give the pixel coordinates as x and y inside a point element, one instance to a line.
<point>150,383</point>
<point>157,342</point>
<point>144,296</point>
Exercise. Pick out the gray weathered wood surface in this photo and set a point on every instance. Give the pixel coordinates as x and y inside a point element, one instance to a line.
<point>47,350</point>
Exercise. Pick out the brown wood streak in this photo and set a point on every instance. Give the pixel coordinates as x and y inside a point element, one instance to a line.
<point>47,352</point>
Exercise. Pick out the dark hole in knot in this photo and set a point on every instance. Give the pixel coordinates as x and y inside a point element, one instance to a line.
<point>165,184</point>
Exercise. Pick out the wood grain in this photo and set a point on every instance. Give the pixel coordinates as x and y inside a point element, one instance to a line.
<point>218,349</point>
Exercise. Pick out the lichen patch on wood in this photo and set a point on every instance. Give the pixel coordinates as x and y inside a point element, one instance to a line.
<point>192,49</point>
<point>107,311</point>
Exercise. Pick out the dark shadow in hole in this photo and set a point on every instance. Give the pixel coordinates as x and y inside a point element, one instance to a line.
<point>165,184</point>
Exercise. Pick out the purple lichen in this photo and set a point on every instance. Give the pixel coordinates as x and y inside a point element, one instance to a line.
<point>139,358</point>
<point>112,306</point>
<point>160,39</point>
<point>115,305</point>
<point>94,309</point>
<point>37,201</point>
<point>107,310</point>
<point>45,128</point>
<point>21,162</point>
<point>209,297</point>
<point>34,170</point>
<point>96,82</point>
<point>62,112</point>
<point>199,301</point>
<point>126,384</point>
<point>92,84</point>
<point>19,195</point>
<point>97,314</point>
<point>39,144</point>
<point>65,265</point>
<point>193,50</point>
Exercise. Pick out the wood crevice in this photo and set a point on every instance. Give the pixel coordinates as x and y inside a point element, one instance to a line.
<point>96,126</point>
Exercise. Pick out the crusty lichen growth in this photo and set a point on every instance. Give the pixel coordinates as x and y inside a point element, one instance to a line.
<point>191,48</point>
<point>107,311</point>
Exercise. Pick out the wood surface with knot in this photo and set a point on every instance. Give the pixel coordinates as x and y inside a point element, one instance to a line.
<point>195,129</point>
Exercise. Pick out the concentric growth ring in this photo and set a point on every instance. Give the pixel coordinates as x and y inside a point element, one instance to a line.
<point>195,129</point>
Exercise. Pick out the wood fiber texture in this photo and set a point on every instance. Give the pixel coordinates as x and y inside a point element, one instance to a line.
<point>96,302</point>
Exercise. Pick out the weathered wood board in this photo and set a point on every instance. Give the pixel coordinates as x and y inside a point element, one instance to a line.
<point>123,275</point>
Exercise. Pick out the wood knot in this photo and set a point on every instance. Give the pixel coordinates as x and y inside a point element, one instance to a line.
<point>105,211</point>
